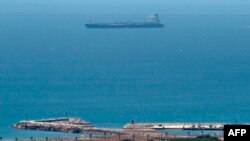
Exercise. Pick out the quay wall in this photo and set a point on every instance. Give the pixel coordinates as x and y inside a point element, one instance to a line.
<point>184,126</point>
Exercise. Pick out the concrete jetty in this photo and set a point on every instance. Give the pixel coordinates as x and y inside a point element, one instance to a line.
<point>184,126</point>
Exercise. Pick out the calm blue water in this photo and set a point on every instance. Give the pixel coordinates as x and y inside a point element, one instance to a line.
<point>196,69</point>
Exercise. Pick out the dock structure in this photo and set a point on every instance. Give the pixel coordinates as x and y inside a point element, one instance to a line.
<point>73,125</point>
<point>183,126</point>
<point>140,131</point>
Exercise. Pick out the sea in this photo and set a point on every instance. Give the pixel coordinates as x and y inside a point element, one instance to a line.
<point>195,69</point>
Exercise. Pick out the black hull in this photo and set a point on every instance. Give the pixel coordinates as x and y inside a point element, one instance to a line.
<point>98,26</point>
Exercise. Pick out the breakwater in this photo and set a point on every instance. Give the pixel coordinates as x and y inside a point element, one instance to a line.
<point>73,125</point>
<point>138,131</point>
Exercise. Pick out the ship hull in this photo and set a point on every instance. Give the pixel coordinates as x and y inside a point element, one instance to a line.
<point>124,26</point>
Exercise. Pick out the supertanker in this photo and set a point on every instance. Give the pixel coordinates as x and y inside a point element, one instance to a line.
<point>152,22</point>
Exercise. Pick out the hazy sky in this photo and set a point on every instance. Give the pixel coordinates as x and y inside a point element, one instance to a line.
<point>127,6</point>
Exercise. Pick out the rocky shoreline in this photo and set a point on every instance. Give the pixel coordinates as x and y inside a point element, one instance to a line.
<point>69,125</point>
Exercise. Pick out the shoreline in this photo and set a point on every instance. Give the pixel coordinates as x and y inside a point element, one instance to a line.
<point>125,138</point>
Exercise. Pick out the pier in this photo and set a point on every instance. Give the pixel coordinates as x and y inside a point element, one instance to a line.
<point>132,131</point>
<point>73,125</point>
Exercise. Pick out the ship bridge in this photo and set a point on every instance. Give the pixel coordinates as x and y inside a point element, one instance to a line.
<point>153,18</point>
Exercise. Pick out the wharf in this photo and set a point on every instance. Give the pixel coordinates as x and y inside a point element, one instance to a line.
<point>183,126</point>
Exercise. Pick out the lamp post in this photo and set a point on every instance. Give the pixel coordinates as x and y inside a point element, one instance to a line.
<point>105,135</point>
<point>90,136</point>
<point>166,134</point>
<point>202,132</point>
<point>119,136</point>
